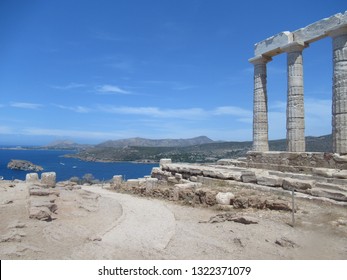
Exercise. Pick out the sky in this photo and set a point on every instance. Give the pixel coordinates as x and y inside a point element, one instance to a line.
<point>95,70</point>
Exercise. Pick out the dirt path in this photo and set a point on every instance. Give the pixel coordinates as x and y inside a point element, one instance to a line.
<point>95,223</point>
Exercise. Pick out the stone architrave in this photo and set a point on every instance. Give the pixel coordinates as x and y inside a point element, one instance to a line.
<point>295,98</point>
<point>339,107</point>
<point>260,108</point>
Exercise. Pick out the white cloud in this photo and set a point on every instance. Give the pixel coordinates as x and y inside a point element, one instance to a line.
<point>190,113</point>
<point>69,86</point>
<point>233,111</point>
<point>243,115</point>
<point>5,130</point>
<point>24,105</point>
<point>70,133</point>
<point>111,89</point>
<point>77,109</point>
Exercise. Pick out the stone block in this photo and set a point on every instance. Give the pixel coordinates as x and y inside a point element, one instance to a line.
<point>151,183</point>
<point>164,161</point>
<point>40,213</point>
<point>117,181</point>
<point>340,174</point>
<point>32,178</point>
<point>225,198</point>
<point>193,178</point>
<point>270,181</point>
<point>325,172</point>
<point>330,186</point>
<point>319,29</point>
<point>248,176</point>
<point>289,184</point>
<point>272,46</point>
<point>338,196</point>
<point>184,189</point>
<point>178,177</point>
<point>133,183</point>
<point>48,179</point>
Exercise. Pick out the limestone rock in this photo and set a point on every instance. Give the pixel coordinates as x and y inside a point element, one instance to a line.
<point>133,183</point>
<point>40,213</point>
<point>165,161</point>
<point>248,176</point>
<point>117,181</point>
<point>32,178</point>
<point>289,184</point>
<point>224,198</point>
<point>270,181</point>
<point>151,183</point>
<point>42,192</point>
<point>48,179</point>
<point>341,174</point>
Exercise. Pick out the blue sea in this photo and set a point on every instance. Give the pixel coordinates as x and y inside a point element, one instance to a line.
<point>65,168</point>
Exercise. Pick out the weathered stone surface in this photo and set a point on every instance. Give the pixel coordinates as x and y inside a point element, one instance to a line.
<point>48,179</point>
<point>182,191</point>
<point>339,105</point>
<point>305,161</point>
<point>260,109</point>
<point>325,172</point>
<point>313,32</point>
<point>178,177</point>
<point>224,198</point>
<point>193,178</point>
<point>32,178</point>
<point>289,184</point>
<point>341,174</point>
<point>42,192</point>
<point>133,183</point>
<point>40,213</point>
<point>248,176</point>
<point>151,183</point>
<point>272,46</point>
<point>165,161</point>
<point>329,194</point>
<point>271,181</point>
<point>47,204</point>
<point>117,181</point>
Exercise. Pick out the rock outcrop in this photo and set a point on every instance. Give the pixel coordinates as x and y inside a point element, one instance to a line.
<point>24,165</point>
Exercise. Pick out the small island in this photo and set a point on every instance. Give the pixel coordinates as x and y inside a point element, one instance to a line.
<point>24,165</point>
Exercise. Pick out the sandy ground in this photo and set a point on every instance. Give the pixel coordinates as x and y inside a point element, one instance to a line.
<point>95,223</point>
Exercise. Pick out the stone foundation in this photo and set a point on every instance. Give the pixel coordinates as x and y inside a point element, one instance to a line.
<point>314,174</point>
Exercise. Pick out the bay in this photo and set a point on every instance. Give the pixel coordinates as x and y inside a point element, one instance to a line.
<point>65,168</point>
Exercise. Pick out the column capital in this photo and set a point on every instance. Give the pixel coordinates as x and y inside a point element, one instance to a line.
<point>294,47</point>
<point>337,31</point>
<point>260,59</point>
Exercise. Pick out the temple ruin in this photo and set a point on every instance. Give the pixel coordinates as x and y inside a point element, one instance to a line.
<point>262,174</point>
<point>293,43</point>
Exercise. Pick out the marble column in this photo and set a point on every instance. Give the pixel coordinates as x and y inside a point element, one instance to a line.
<point>339,104</point>
<point>295,98</point>
<point>260,109</point>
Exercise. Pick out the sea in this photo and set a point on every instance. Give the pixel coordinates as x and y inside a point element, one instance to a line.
<point>65,168</point>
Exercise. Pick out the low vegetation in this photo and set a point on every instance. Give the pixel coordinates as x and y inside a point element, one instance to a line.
<point>209,152</point>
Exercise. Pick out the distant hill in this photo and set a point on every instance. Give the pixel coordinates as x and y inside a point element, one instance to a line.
<point>65,145</point>
<point>143,142</point>
<point>185,150</point>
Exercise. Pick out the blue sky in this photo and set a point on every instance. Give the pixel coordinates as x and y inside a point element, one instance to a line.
<point>91,71</point>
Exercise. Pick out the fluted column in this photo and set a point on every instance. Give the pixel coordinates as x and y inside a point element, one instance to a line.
<point>260,109</point>
<point>339,106</point>
<point>295,98</point>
